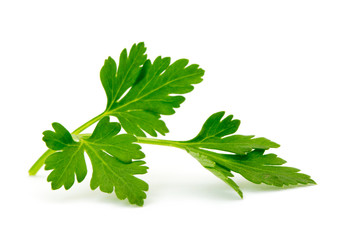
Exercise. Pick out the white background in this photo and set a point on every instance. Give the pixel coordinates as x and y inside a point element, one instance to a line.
<point>273,64</point>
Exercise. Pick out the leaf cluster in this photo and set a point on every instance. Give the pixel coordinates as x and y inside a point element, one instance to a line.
<point>248,159</point>
<point>138,93</point>
<point>111,156</point>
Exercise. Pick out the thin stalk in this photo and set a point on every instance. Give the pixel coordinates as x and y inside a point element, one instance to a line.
<point>41,161</point>
<point>161,142</point>
<point>89,123</point>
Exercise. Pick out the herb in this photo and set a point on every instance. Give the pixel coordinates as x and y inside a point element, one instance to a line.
<point>138,93</point>
<point>111,156</point>
<point>151,86</point>
<point>249,159</point>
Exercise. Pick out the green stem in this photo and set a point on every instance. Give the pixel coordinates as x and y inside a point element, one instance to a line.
<point>160,142</point>
<point>89,123</point>
<point>41,161</point>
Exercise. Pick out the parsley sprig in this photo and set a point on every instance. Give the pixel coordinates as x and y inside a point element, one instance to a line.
<point>138,93</point>
<point>248,159</point>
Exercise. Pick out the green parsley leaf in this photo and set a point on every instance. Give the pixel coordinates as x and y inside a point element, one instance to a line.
<point>258,167</point>
<point>214,130</point>
<point>151,88</point>
<point>67,161</point>
<point>111,156</point>
<point>255,166</point>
